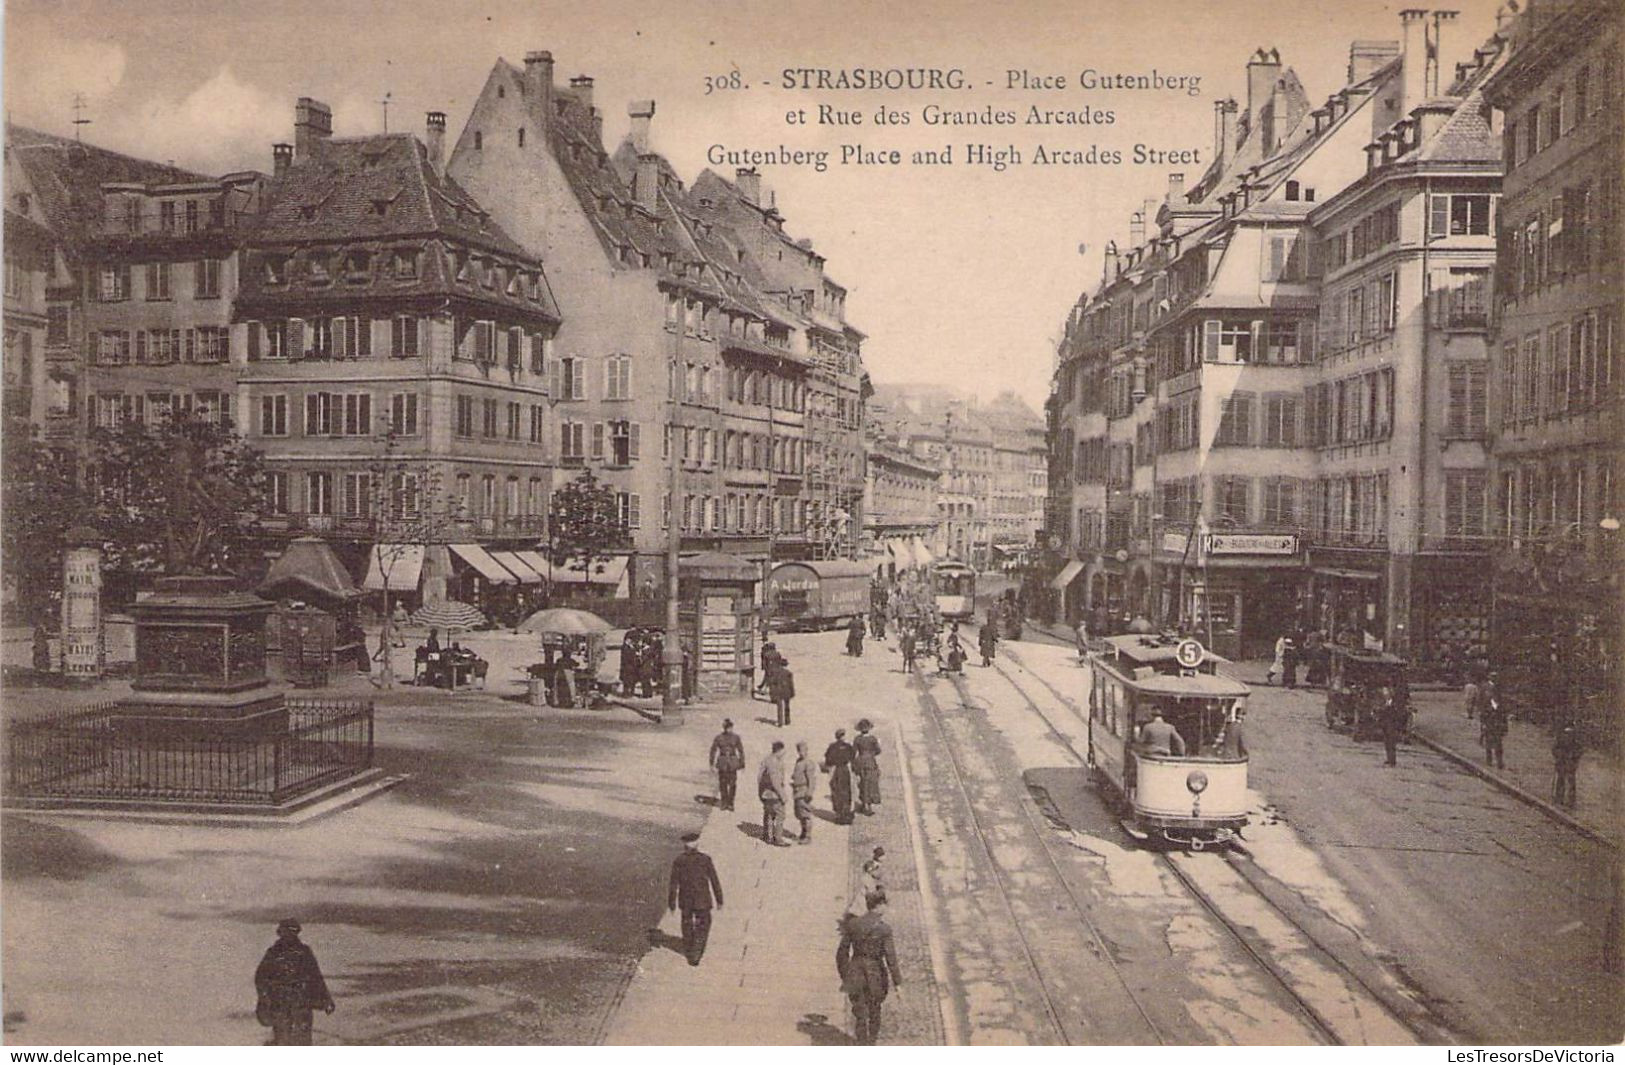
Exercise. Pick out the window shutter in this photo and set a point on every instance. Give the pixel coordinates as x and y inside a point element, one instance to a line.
<point>578,380</point>
<point>341,338</point>
<point>296,338</point>
<point>253,340</point>
<point>1210,341</point>
<point>634,445</point>
<point>311,414</point>
<point>1439,215</point>
<point>598,440</point>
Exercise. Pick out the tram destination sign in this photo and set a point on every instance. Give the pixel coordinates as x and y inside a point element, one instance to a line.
<point>1251,544</point>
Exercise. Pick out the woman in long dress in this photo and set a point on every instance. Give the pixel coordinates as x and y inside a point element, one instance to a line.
<point>866,762</point>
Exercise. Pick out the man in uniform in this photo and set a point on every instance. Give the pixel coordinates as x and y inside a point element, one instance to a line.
<point>727,758</point>
<point>693,884</point>
<point>1160,737</point>
<point>290,986</point>
<point>1391,719</point>
<point>770,787</point>
<point>867,962</point>
<point>803,782</point>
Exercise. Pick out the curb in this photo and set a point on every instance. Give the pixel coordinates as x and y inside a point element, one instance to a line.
<point>1555,813</point>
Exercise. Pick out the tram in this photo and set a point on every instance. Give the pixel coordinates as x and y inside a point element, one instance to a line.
<point>954,585</point>
<point>1197,798</point>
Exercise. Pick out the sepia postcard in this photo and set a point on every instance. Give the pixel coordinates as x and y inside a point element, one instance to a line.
<point>1077,522</point>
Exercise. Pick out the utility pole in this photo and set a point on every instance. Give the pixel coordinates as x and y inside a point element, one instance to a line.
<point>671,654</point>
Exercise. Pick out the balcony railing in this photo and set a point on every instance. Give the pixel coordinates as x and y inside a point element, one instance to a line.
<point>151,222</point>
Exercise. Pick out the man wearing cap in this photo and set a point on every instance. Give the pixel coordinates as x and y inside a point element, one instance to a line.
<point>770,787</point>
<point>693,884</point>
<point>727,758</point>
<point>867,963</point>
<point>803,781</point>
<point>290,987</point>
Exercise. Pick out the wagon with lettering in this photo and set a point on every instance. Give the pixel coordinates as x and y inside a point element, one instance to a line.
<point>816,595</point>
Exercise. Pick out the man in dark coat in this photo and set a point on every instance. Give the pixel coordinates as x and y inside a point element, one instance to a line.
<point>854,638</point>
<point>838,764</point>
<point>867,962</point>
<point>988,641</point>
<point>1567,748</point>
<point>693,884</point>
<point>1492,723</point>
<point>727,758</point>
<point>290,987</point>
<point>1391,720</point>
<point>906,645</point>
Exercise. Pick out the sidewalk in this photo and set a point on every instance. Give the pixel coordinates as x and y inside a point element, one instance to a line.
<point>1441,721</point>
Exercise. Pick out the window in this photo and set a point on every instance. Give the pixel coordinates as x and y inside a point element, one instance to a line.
<point>405,499</point>
<point>1283,263</point>
<point>351,338</point>
<point>403,413</point>
<point>356,499</point>
<point>1280,421</point>
<point>623,443</point>
<point>1582,79</point>
<point>538,423</point>
<point>1464,497</point>
<point>276,491</point>
<point>1235,421</point>
<point>1557,364</point>
<point>540,348</point>
<point>515,412</point>
<point>1555,121</point>
<point>1468,399</point>
<point>1234,498</point>
<point>597,451</point>
<point>618,377</point>
<point>404,263</point>
<point>1459,214</point>
<point>275,269</point>
<point>1280,501</point>
<point>206,279</point>
<point>404,337</point>
<point>318,492</point>
<point>572,441</point>
<point>570,378</point>
<point>114,284</point>
<point>463,417</point>
<point>274,415</point>
<point>488,418</point>
<point>516,344</point>
<point>320,265</point>
<point>1228,340</point>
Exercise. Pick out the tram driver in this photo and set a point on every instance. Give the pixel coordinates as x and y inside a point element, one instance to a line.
<point>1159,737</point>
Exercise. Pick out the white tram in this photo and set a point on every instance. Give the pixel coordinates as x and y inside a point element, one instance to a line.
<point>954,585</point>
<point>1194,799</point>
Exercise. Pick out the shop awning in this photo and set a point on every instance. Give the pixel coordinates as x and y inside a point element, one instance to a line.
<point>1068,574</point>
<point>511,561</point>
<point>922,554</point>
<point>1348,574</point>
<point>609,571</point>
<point>402,562</point>
<point>483,563</point>
<point>535,561</point>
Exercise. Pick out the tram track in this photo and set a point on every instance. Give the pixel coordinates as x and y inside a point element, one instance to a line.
<point>1365,1014</point>
<point>1038,828</point>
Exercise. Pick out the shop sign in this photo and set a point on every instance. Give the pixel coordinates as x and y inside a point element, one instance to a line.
<point>1252,543</point>
<point>1174,543</point>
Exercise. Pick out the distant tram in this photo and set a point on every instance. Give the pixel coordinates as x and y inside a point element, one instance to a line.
<point>954,585</point>
<point>1195,799</point>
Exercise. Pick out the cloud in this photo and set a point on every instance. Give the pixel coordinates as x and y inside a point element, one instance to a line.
<point>42,78</point>
<point>223,124</point>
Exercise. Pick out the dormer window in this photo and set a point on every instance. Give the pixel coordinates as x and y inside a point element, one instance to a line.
<point>465,269</point>
<point>492,270</point>
<point>308,212</point>
<point>276,269</point>
<point>1292,190</point>
<point>514,277</point>
<point>356,265</point>
<point>380,208</point>
<point>321,272</point>
<point>405,263</point>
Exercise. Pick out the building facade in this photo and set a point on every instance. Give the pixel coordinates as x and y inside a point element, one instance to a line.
<point>1556,392</point>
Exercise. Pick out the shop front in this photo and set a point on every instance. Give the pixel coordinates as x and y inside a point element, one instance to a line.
<point>1348,601</point>
<point>1243,593</point>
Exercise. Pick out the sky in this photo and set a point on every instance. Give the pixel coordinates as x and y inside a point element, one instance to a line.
<point>960,275</point>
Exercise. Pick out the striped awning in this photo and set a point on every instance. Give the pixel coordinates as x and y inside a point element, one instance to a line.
<point>483,563</point>
<point>402,562</point>
<point>511,561</point>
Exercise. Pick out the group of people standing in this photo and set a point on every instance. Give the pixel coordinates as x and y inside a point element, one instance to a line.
<point>643,669</point>
<point>794,787</point>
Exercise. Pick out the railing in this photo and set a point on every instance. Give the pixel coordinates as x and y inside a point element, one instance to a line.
<point>153,222</point>
<point>105,753</point>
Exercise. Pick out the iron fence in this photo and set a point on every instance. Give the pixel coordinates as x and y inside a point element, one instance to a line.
<point>103,752</point>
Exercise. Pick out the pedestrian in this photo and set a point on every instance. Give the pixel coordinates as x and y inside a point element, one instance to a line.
<point>652,675</point>
<point>988,641</point>
<point>727,758</point>
<point>1290,657</point>
<point>42,650</point>
<point>803,783</point>
<point>1278,666</point>
<point>1471,693</point>
<point>838,764</point>
<point>867,962</point>
<point>770,787</point>
<point>906,645</point>
<point>781,688</point>
<point>630,651</point>
<point>871,883</point>
<point>1566,751</point>
<point>1391,720</point>
<point>290,987</point>
<point>854,638</point>
<point>866,763</point>
<point>1492,727</point>
<point>770,651</point>
<point>692,886</point>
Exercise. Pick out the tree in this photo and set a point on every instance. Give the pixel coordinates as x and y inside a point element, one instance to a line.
<point>40,500</point>
<point>407,508</point>
<point>181,495</point>
<point>585,525</point>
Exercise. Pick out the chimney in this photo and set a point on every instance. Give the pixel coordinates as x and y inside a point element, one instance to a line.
<point>539,84</point>
<point>1368,57</point>
<point>647,181</point>
<point>435,139</point>
<point>1226,112</point>
<point>1110,264</point>
<point>1136,229</point>
<point>750,184</point>
<point>1263,70</point>
<point>581,84</point>
<point>281,158</point>
<point>312,124</point>
<point>1413,28</point>
<point>1430,118</point>
<point>642,111</point>
<point>1443,34</point>
<point>1148,209</point>
<point>1176,188</point>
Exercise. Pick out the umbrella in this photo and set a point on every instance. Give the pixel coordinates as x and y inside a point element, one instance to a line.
<point>448,615</point>
<point>564,620</point>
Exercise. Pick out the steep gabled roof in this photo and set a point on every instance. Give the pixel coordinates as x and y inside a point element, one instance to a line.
<point>67,177</point>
